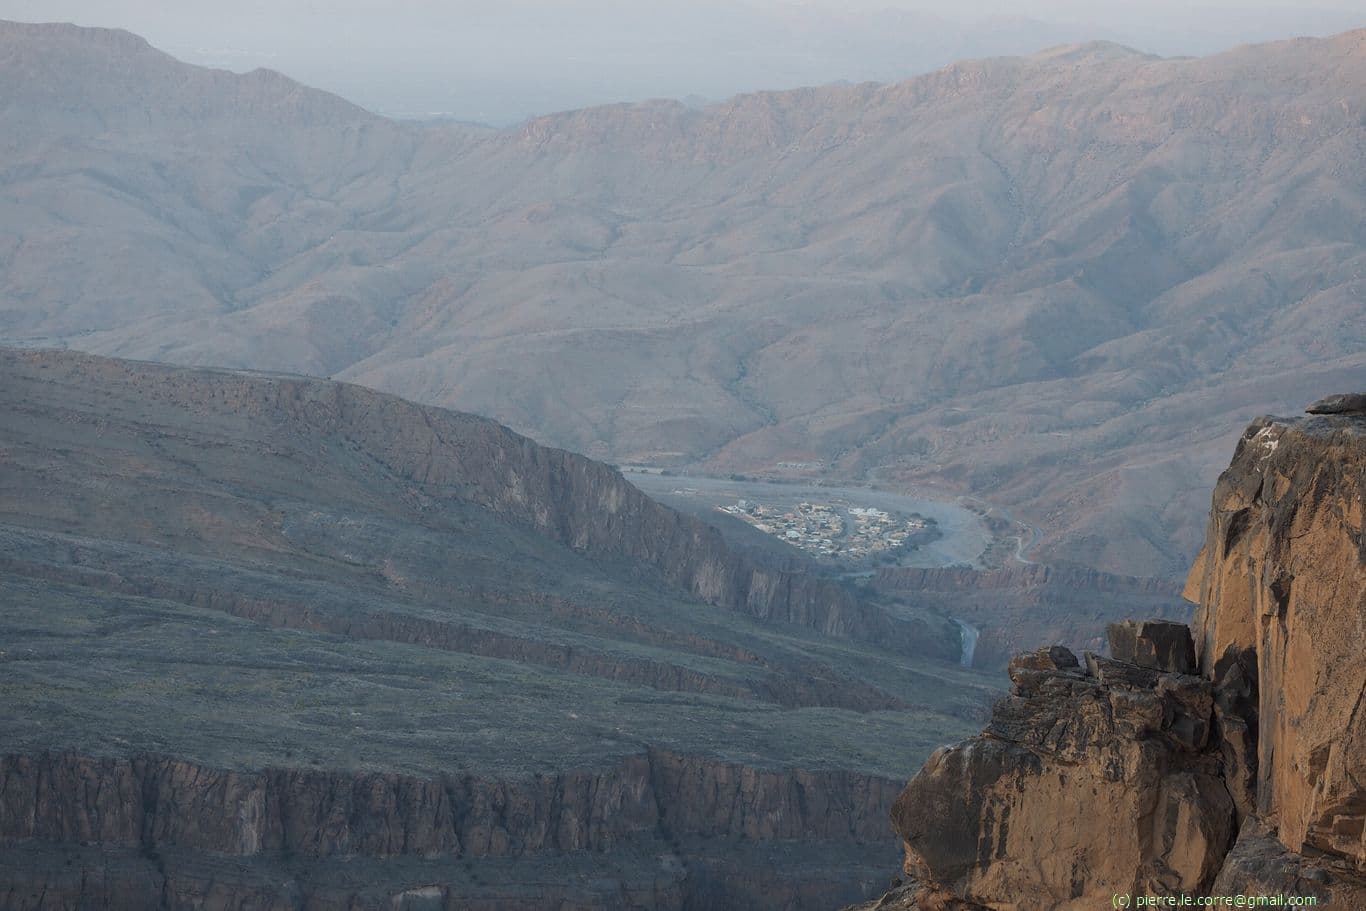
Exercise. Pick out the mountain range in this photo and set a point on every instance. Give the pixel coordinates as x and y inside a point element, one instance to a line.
<point>291,620</point>
<point>521,58</point>
<point>1057,283</point>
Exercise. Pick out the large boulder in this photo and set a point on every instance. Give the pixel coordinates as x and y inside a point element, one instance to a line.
<point>1161,644</point>
<point>1085,783</point>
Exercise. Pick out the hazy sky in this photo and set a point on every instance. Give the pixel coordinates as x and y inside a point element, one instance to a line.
<point>499,62</point>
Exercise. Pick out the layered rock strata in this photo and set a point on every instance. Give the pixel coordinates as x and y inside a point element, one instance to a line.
<point>244,823</point>
<point>157,802</point>
<point>1231,762</point>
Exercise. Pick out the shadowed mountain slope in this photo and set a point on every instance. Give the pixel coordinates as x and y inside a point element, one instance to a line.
<point>1032,279</point>
<point>321,621</point>
<point>126,84</point>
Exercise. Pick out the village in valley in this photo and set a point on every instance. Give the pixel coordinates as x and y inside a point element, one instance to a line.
<point>848,534</point>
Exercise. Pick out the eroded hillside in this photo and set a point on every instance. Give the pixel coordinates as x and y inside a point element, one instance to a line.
<point>1032,279</point>
<point>258,627</point>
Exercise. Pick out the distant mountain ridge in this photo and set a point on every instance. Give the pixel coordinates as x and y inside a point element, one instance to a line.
<point>1029,279</point>
<point>116,80</point>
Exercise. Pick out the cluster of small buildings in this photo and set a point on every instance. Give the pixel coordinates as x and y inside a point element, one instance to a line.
<point>819,528</point>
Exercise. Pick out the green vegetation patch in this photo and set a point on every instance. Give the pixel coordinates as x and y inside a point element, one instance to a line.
<point>111,674</point>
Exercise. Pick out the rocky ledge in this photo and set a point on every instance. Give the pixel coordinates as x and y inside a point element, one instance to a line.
<point>1230,761</point>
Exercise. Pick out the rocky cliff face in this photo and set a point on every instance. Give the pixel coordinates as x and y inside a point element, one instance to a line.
<point>1230,762</point>
<point>585,505</point>
<point>155,802</point>
<point>1088,781</point>
<point>1282,589</point>
<point>153,807</point>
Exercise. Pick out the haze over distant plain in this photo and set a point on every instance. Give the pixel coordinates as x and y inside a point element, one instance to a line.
<point>501,63</point>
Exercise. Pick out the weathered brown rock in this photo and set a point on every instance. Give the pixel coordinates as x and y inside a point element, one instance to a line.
<point>1027,670</point>
<point>1131,778</point>
<point>1235,731</point>
<point>1282,587</point>
<point>914,896</point>
<point>1050,658</point>
<point>1082,785</point>
<point>1260,865</point>
<point>1160,644</point>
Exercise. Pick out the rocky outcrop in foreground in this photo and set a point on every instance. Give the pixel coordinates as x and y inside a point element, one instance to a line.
<point>1231,762</point>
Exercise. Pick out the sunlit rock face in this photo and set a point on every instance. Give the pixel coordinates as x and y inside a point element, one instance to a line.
<point>1282,587</point>
<point>1229,759</point>
<point>1089,780</point>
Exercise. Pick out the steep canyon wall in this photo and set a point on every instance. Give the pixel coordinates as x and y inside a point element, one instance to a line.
<point>1227,762</point>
